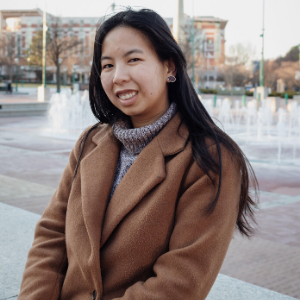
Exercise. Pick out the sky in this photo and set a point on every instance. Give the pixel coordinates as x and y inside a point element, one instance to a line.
<point>245,17</point>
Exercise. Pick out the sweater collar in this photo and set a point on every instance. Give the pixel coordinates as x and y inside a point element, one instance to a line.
<point>171,139</point>
<point>136,139</point>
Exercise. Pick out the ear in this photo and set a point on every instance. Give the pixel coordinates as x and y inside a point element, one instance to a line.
<point>171,67</point>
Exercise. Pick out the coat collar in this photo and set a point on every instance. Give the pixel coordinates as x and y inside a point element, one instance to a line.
<point>171,139</point>
<point>98,170</point>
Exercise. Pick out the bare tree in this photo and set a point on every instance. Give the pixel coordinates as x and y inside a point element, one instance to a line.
<point>237,68</point>
<point>60,44</point>
<point>241,54</point>
<point>7,51</point>
<point>270,73</point>
<point>287,71</point>
<point>192,56</point>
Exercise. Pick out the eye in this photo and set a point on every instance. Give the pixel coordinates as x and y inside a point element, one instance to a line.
<point>107,66</point>
<point>134,60</point>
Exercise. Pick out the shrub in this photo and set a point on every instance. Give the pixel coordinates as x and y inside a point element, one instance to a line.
<point>208,91</point>
<point>289,92</point>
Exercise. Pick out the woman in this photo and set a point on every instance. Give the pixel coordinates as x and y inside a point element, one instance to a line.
<point>149,200</point>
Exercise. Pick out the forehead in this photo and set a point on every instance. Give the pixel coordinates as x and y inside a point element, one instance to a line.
<point>120,39</point>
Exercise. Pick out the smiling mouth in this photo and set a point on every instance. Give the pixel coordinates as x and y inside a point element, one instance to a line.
<point>126,96</point>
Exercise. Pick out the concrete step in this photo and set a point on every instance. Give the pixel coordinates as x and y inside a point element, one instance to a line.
<point>16,238</point>
<point>23,109</point>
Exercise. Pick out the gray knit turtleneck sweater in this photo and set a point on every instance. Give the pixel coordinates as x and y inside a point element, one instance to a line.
<point>134,140</point>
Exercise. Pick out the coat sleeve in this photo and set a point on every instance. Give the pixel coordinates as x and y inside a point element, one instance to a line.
<point>199,241</point>
<point>47,260</point>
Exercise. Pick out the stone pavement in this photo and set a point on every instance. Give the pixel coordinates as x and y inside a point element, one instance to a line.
<point>17,237</point>
<point>31,166</point>
<point>17,98</point>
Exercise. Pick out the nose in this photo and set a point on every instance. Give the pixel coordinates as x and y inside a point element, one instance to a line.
<point>121,75</point>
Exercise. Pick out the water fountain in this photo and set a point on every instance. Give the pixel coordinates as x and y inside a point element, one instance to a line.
<point>263,130</point>
<point>69,114</point>
<point>225,114</point>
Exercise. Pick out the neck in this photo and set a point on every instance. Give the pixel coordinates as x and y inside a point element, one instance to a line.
<point>138,122</point>
<point>135,139</point>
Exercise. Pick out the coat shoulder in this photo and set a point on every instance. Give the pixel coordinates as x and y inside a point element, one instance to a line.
<point>91,136</point>
<point>229,163</point>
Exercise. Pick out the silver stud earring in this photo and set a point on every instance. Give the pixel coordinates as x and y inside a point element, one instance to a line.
<point>171,78</point>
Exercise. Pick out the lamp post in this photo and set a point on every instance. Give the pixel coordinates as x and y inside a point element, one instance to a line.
<point>91,63</point>
<point>299,55</point>
<point>17,61</point>
<point>207,62</point>
<point>28,62</point>
<point>297,76</point>
<point>261,69</point>
<point>65,79</point>
<point>261,92</point>
<point>58,73</point>
<point>73,76</point>
<point>193,46</point>
<point>22,67</point>
<point>17,68</point>
<point>45,28</point>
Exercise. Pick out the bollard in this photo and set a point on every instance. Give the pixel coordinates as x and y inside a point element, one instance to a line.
<point>215,100</point>
<point>243,100</point>
<point>286,98</point>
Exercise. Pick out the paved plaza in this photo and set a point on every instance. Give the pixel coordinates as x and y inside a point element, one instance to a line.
<point>32,163</point>
<point>17,97</point>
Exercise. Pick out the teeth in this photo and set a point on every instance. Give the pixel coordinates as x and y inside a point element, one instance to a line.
<point>127,96</point>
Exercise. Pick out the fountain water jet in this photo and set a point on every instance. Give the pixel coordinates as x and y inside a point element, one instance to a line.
<point>70,114</point>
<point>263,133</point>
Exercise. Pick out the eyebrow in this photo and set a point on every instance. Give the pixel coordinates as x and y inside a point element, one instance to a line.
<point>126,54</point>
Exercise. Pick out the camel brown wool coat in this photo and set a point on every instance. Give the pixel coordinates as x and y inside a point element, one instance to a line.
<point>154,241</point>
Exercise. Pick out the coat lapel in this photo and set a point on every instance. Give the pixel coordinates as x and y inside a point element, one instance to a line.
<point>147,171</point>
<point>97,175</point>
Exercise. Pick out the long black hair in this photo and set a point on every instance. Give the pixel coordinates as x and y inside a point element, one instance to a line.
<point>200,125</point>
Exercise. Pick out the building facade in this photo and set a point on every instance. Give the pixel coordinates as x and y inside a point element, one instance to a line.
<point>206,43</point>
<point>18,27</point>
<point>209,48</point>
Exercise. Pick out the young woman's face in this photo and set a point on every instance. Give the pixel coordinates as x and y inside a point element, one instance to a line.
<point>133,77</point>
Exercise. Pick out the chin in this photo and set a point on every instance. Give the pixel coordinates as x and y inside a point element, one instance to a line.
<point>130,111</point>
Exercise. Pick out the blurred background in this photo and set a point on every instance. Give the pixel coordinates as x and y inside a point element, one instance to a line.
<point>223,48</point>
<point>243,59</point>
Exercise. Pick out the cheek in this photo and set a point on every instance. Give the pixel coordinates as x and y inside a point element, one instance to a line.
<point>105,81</point>
<point>141,74</point>
<point>148,79</point>
<point>157,83</point>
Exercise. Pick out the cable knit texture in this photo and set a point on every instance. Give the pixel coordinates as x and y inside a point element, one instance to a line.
<point>134,140</point>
